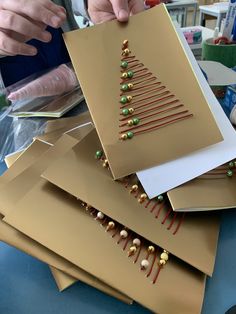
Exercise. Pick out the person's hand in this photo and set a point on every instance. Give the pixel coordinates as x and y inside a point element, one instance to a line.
<point>22,20</point>
<point>106,10</point>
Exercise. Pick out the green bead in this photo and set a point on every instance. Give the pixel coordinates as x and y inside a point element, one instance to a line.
<point>98,154</point>
<point>136,121</point>
<point>124,100</point>
<point>229,173</point>
<point>124,64</point>
<point>130,74</point>
<point>125,112</point>
<point>231,164</point>
<point>124,87</point>
<point>130,134</point>
<point>160,198</point>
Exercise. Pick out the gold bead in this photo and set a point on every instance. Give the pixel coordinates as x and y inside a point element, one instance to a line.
<point>134,188</point>
<point>130,85</point>
<point>105,163</point>
<point>132,250</point>
<point>126,52</point>
<point>131,110</point>
<point>142,198</point>
<point>151,249</point>
<point>124,136</point>
<point>164,256</point>
<point>125,43</point>
<point>165,251</point>
<point>110,226</point>
<point>129,98</point>
<point>124,75</point>
<point>130,122</point>
<point>162,262</point>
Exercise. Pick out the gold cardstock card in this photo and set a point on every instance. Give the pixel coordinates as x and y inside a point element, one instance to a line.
<point>81,175</point>
<point>73,233</point>
<point>204,194</point>
<point>96,57</point>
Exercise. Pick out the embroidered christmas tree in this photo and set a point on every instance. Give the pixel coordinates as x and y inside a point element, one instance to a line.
<point>145,103</point>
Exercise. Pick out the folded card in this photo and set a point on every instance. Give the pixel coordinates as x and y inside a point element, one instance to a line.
<point>213,190</point>
<point>152,277</point>
<point>144,113</point>
<point>79,173</point>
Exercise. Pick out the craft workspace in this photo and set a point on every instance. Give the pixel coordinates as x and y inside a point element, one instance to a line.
<point>117,157</point>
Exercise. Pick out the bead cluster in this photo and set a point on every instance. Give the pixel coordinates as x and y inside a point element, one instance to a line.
<point>136,246</point>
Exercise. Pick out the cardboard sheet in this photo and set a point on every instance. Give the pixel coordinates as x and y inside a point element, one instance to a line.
<point>74,234</point>
<point>80,174</point>
<point>100,80</point>
<point>63,280</point>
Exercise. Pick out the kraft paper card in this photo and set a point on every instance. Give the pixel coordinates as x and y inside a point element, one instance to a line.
<point>211,191</point>
<point>17,239</point>
<point>79,173</point>
<point>75,234</point>
<point>159,117</point>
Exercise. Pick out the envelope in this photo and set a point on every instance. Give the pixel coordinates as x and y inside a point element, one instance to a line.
<point>153,135</point>
<point>95,186</point>
<point>73,233</point>
<point>26,244</point>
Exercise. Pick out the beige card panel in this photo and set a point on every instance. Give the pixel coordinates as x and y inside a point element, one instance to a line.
<point>17,239</point>
<point>72,233</point>
<point>81,175</point>
<point>55,129</point>
<point>67,123</point>
<point>204,195</point>
<point>100,81</point>
<point>63,280</point>
<point>25,160</point>
<point>17,187</point>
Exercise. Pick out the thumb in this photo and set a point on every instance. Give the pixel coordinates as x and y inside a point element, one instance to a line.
<point>121,9</point>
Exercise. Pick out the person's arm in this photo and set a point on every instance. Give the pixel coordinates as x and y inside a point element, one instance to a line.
<point>22,20</point>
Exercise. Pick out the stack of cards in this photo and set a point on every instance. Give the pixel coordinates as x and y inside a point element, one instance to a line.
<point>73,198</point>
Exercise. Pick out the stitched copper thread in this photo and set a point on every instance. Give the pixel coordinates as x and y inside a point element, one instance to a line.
<point>134,66</point>
<point>163,124</point>
<point>149,91</point>
<point>146,98</point>
<point>153,121</point>
<point>142,87</point>
<point>159,210</point>
<point>104,221</point>
<point>166,217</point>
<point>179,224</point>
<point>134,79</point>
<point>150,79</point>
<point>141,70</point>
<point>157,274</point>
<point>137,194</point>
<point>153,114</point>
<point>116,231</point>
<point>148,203</point>
<point>129,57</point>
<point>157,107</point>
<point>172,221</point>
<point>127,241</point>
<point>150,271</point>
<point>137,256</point>
<point>153,207</point>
